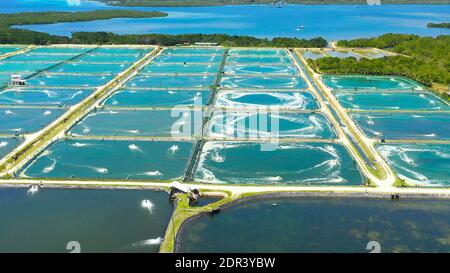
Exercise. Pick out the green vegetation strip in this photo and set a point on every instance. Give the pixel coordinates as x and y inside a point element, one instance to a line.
<point>184,211</point>
<point>438,25</point>
<point>427,60</point>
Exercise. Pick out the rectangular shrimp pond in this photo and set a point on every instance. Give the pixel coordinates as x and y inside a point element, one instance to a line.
<point>103,159</point>
<point>320,225</point>
<point>46,220</point>
<point>284,163</point>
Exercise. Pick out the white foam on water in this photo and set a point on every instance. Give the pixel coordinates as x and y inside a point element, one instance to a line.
<point>78,144</point>
<point>155,241</point>
<point>50,168</point>
<point>3,144</point>
<point>148,205</point>
<point>9,112</point>
<point>153,173</point>
<point>33,190</point>
<point>429,135</point>
<point>47,113</point>
<point>174,148</point>
<point>134,147</point>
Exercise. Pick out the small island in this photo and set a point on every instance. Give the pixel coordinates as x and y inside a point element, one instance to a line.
<point>438,25</point>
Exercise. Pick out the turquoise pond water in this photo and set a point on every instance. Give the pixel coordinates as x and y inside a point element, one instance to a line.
<point>122,50</point>
<point>269,82</point>
<point>8,49</point>
<point>25,57</point>
<point>180,68</point>
<point>391,101</point>
<point>295,100</point>
<point>256,69</point>
<point>164,123</point>
<point>14,67</point>
<point>257,52</point>
<point>100,220</point>
<point>26,120</point>
<point>171,81</point>
<point>269,125</point>
<point>61,50</point>
<point>293,163</point>
<point>259,59</point>
<point>419,164</point>
<point>43,96</point>
<point>188,59</point>
<point>103,58</point>
<point>103,159</point>
<point>170,98</point>
<point>7,145</point>
<point>194,51</point>
<point>370,82</point>
<point>70,80</point>
<point>332,22</point>
<point>89,68</point>
<point>322,225</point>
<point>398,126</point>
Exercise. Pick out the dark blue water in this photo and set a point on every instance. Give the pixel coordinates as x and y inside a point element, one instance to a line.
<point>322,225</point>
<point>329,21</point>
<point>100,220</point>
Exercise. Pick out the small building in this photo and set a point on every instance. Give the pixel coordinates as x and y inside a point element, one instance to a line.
<point>16,79</point>
<point>205,44</point>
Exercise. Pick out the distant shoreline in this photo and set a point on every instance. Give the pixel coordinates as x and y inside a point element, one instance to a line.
<point>210,3</point>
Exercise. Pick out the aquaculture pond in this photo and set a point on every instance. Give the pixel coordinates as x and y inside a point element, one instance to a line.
<point>257,52</point>
<point>164,123</point>
<point>267,82</point>
<point>277,163</point>
<point>322,225</point>
<point>26,120</point>
<point>43,96</point>
<point>398,125</point>
<point>73,80</point>
<point>46,220</point>
<point>8,49</point>
<point>90,68</point>
<point>194,51</point>
<point>103,159</point>
<point>255,69</point>
<point>391,101</point>
<point>169,98</point>
<point>419,164</point>
<point>275,59</point>
<point>161,68</point>
<point>269,125</point>
<point>370,82</point>
<point>7,145</point>
<point>171,81</point>
<point>294,100</point>
<point>188,59</point>
<point>22,68</point>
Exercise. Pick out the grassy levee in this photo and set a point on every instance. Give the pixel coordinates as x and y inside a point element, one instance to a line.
<point>183,212</point>
<point>378,171</point>
<point>51,132</point>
